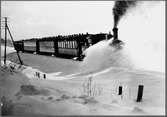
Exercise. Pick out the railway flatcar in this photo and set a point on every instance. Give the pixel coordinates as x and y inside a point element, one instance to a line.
<point>30,45</point>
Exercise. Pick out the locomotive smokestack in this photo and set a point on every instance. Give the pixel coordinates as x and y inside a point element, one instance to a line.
<point>116,42</point>
<point>115,33</point>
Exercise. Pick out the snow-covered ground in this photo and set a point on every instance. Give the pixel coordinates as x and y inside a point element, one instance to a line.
<point>8,50</point>
<point>63,89</point>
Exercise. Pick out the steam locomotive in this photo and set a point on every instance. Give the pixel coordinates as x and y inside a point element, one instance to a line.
<point>61,46</point>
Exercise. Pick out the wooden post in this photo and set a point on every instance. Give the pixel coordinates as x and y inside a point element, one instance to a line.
<point>44,76</point>
<point>21,62</point>
<point>120,90</point>
<point>140,93</point>
<point>5,40</point>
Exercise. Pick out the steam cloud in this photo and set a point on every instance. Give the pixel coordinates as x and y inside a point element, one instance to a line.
<point>120,8</point>
<point>102,56</point>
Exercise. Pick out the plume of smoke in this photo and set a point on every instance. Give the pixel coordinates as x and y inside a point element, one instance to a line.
<point>120,9</point>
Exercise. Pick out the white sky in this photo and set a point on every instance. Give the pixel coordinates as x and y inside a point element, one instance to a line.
<point>49,18</point>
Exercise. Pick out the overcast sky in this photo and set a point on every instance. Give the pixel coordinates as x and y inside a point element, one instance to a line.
<point>49,18</point>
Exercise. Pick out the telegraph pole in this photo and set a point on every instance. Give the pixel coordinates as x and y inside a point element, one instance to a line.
<point>21,62</point>
<point>7,29</point>
<point>5,40</point>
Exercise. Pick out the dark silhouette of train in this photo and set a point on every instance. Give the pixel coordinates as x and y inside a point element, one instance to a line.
<point>62,46</point>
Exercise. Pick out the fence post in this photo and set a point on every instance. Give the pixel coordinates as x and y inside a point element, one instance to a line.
<point>140,93</point>
<point>120,90</point>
